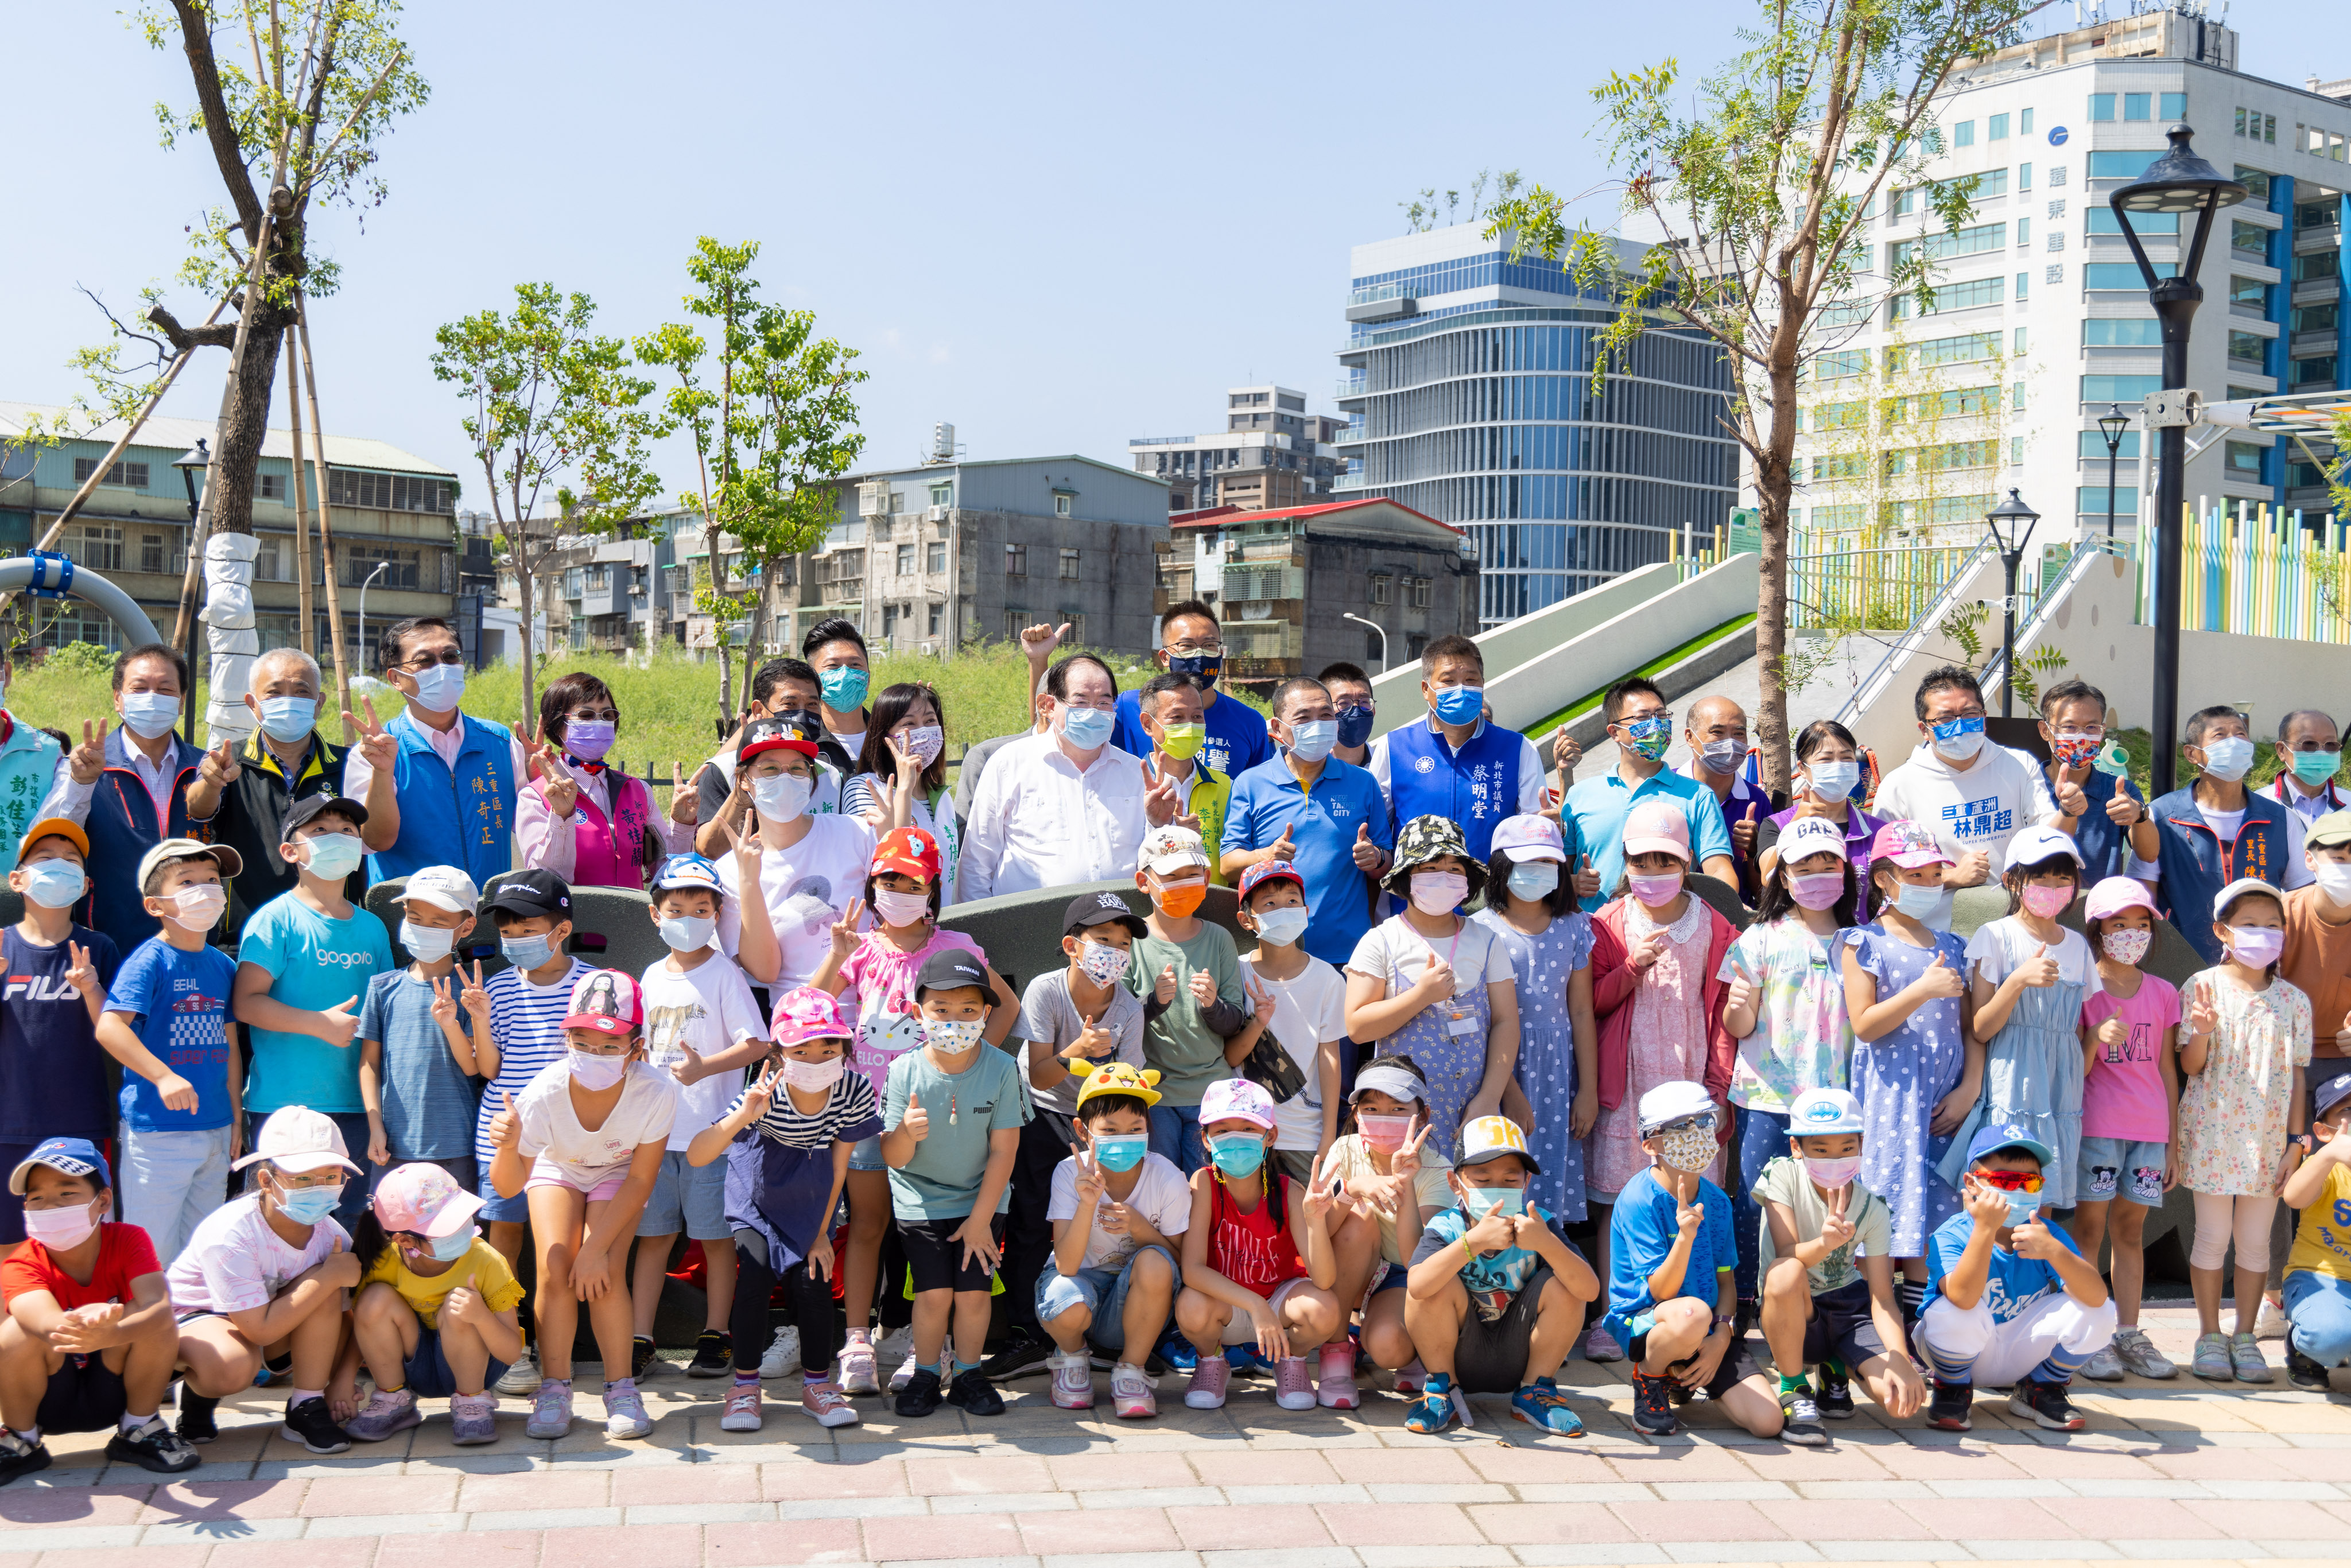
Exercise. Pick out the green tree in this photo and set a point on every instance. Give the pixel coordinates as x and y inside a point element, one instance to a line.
<point>548,401</point>
<point>772,417</point>
<point>1760,184</point>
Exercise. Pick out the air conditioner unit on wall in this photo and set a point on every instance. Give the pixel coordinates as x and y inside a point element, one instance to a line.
<point>873,499</point>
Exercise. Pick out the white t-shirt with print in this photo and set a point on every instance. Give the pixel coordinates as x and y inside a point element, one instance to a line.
<point>1308,1010</point>
<point>234,1262</point>
<point>1999,945</point>
<point>709,1009</point>
<point>1161,1196</point>
<point>1393,949</point>
<point>645,1114</point>
<point>807,887</point>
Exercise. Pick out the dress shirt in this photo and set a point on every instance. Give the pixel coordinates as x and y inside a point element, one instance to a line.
<point>1037,820</point>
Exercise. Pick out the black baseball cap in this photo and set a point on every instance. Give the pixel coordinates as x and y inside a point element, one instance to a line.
<point>1100,909</point>
<point>789,732</point>
<point>2329,1091</point>
<point>311,806</point>
<point>531,893</point>
<point>949,969</point>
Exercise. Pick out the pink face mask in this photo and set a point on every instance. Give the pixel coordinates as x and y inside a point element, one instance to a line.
<point>2047,903</point>
<point>2256,947</point>
<point>1655,892</point>
<point>1816,891</point>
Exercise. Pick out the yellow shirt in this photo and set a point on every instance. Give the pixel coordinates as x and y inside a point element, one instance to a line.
<point>2321,1242</point>
<point>482,1267</point>
<point>1351,1160</point>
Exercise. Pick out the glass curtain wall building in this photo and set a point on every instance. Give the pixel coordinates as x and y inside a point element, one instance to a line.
<point>1469,378</point>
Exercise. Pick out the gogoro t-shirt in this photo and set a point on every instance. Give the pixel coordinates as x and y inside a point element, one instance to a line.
<point>315,964</point>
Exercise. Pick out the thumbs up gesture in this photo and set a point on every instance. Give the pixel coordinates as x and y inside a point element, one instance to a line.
<point>1283,848</point>
<point>2343,1037</point>
<point>1564,751</point>
<point>2039,970</point>
<point>1741,994</point>
<point>505,1127</point>
<point>1094,1041</point>
<point>339,1023</point>
<point>1941,982</point>
<point>1369,856</point>
<point>916,1121</point>
<point>1587,881</point>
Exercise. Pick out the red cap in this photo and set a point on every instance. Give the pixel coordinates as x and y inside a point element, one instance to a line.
<point>910,851</point>
<point>606,1000</point>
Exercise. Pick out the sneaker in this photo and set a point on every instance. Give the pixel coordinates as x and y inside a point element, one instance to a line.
<point>1073,1380</point>
<point>1653,1404</point>
<point>1177,1352</point>
<point>1435,1409</point>
<point>1410,1377</point>
<point>642,1356</point>
<point>741,1413</point>
<point>1210,1375</point>
<point>550,1413</point>
<point>521,1379</point>
<point>1948,1410</point>
<point>1602,1347</point>
<point>2138,1355</point>
<point>385,1415</point>
<point>1131,1393</point>
<point>1292,1388</point>
<point>1540,1405</point>
<point>198,1420</point>
<point>714,1355</point>
<point>895,1342</point>
<point>2246,1359</point>
<point>921,1394</point>
<point>624,1414</point>
<point>974,1394</point>
<point>473,1419</point>
<point>2212,1357</point>
<point>1800,1416</point>
<point>312,1425</point>
<point>2304,1372</point>
<point>1247,1358</point>
<point>2035,1400</point>
<point>826,1405</point>
<point>153,1446</point>
<point>783,1355</point>
<point>2104,1365</point>
<point>18,1458</point>
<point>1023,1354</point>
<point>1334,1383</point>
<point>2271,1323</point>
<point>905,1375</point>
<point>1835,1397</point>
<point>857,1368</point>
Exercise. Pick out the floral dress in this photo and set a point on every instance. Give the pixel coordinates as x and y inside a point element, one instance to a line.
<point>1546,1071</point>
<point>2232,1116</point>
<point>1900,1078</point>
<point>1802,1039</point>
<point>1667,1040</point>
<point>2033,1067</point>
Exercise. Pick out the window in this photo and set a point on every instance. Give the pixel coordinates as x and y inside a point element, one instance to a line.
<point>1069,566</point>
<point>1963,134</point>
<point>1016,561</point>
<point>1416,593</point>
<point>2248,291</point>
<point>270,487</point>
<point>936,559</point>
<point>1015,623</point>
<point>2016,397</point>
<point>2244,460</point>
<point>2020,340</point>
<point>2136,105</point>
<point>2092,503</point>
<point>905,560</point>
<point>2024,122</point>
<point>942,495</point>
<point>98,546</point>
<point>2101,106</point>
<point>155,553</point>
<point>2248,346</point>
<point>938,619</point>
<point>889,620</point>
<point>2316,318</point>
<point>2121,275</point>
<point>2015,451</point>
<point>2173,106</point>
<point>131,476</point>
<point>2312,265</point>
<point>2127,332</point>
<point>400,564</point>
<point>2117,165</point>
<point>2025,234</point>
<point>2101,219</point>
<point>1382,584</point>
<point>1077,637</point>
<point>2256,183</point>
<point>2240,119</point>
<point>1996,128</point>
<point>389,492</point>
<point>2024,171</point>
<point>2119,389</point>
<point>1949,297</point>
<point>2245,237</point>
<point>1964,242</point>
<point>2024,286</point>
<point>2093,445</point>
<point>1061,499</point>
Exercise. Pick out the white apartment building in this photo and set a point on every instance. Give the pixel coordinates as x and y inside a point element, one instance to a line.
<point>1922,415</point>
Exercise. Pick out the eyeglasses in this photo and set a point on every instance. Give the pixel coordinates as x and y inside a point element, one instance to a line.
<point>1195,649</point>
<point>1367,705</point>
<point>2084,731</point>
<point>1701,1123</point>
<point>592,715</point>
<point>451,654</point>
<point>2011,1181</point>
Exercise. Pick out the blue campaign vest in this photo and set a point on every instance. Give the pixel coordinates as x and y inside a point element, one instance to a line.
<point>28,766</point>
<point>122,828</point>
<point>1476,787</point>
<point>2194,868</point>
<point>462,817</point>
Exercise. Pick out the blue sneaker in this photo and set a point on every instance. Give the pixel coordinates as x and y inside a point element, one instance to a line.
<point>1433,1411</point>
<point>1177,1352</point>
<point>1541,1404</point>
<point>1246,1358</point>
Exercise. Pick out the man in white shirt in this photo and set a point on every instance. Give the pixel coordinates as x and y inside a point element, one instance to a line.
<point>1063,807</point>
<point>1971,795</point>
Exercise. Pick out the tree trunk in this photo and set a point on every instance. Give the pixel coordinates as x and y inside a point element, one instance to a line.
<point>1773,483</point>
<point>760,615</point>
<point>526,588</point>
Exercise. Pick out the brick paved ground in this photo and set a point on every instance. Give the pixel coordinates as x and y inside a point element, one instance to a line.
<point>2177,1471</point>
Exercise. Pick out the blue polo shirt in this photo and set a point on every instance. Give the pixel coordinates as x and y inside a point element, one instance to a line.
<point>1237,740</point>
<point>1346,799</point>
<point>1600,806</point>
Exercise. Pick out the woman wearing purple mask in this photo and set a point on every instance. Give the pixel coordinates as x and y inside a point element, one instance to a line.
<point>578,817</point>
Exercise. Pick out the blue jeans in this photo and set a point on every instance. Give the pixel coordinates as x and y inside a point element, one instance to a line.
<point>2319,1307</point>
<point>1763,1138</point>
<point>1175,1135</point>
<point>1103,1292</point>
<point>353,1125</point>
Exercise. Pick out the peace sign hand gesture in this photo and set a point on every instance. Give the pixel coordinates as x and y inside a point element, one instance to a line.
<point>1261,996</point>
<point>760,1092</point>
<point>81,974</point>
<point>845,934</point>
<point>1837,1228</point>
<point>444,1005</point>
<point>1158,796</point>
<point>1321,1198</point>
<point>2202,1016</point>
<point>374,742</point>
<point>474,999</point>
<point>1404,1162</point>
<point>555,780</point>
<point>1090,1185</point>
<point>88,761</point>
<point>219,767</point>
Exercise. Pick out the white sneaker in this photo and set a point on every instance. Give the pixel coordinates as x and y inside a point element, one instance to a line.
<point>522,1378</point>
<point>783,1357</point>
<point>898,1342</point>
<point>905,1375</point>
<point>2271,1323</point>
<point>857,1367</point>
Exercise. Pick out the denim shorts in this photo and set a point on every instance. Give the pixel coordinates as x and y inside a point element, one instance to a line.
<point>498,1210</point>
<point>2118,1167</point>
<point>692,1198</point>
<point>429,1373</point>
<point>1103,1292</point>
<point>865,1154</point>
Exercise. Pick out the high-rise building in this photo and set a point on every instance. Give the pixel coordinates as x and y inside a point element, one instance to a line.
<point>1920,412</point>
<point>1471,376</point>
<point>1271,454</point>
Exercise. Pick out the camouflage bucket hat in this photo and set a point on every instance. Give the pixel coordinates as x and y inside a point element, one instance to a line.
<point>1423,839</point>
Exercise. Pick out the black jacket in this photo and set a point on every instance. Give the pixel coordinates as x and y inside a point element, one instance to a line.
<point>252,822</point>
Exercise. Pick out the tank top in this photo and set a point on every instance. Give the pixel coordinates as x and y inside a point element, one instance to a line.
<point>1253,1248</point>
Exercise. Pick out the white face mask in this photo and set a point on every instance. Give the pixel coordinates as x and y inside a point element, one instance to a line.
<point>595,1071</point>
<point>2333,879</point>
<point>427,944</point>
<point>200,906</point>
<point>2228,758</point>
<point>784,796</point>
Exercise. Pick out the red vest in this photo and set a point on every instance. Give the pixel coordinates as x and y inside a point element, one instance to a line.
<point>611,852</point>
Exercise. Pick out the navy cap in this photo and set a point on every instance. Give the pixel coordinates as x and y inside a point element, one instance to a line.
<point>530,893</point>
<point>72,1157</point>
<point>2327,1092</point>
<point>1994,1137</point>
<point>1100,909</point>
<point>309,806</point>
<point>949,967</point>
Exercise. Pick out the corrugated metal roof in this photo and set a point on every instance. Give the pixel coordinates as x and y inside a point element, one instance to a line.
<point>1214,515</point>
<point>179,434</point>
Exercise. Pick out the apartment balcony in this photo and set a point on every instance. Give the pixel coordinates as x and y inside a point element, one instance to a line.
<point>1349,387</point>
<point>1382,302</point>
<point>1350,436</point>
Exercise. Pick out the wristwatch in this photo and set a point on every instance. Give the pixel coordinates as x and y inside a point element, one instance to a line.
<point>2303,1141</point>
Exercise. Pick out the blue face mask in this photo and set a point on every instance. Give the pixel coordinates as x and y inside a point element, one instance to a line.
<point>2021,1206</point>
<point>1959,737</point>
<point>334,856</point>
<point>844,688</point>
<point>1355,726</point>
<point>526,952</point>
<point>289,719</point>
<point>150,714</point>
<point>53,885</point>
<point>1202,668</point>
<point>449,1248</point>
<point>1312,740</point>
<point>1918,901</point>
<point>1535,879</point>
<point>1120,1153</point>
<point>440,687</point>
<point>1509,1200</point>
<point>309,1205</point>
<point>1087,727</point>
<point>1238,1154</point>
<point>1460,704</point>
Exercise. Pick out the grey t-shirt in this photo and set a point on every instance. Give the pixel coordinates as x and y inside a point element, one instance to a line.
<point>1049,1020</point>
<point>428,1099</point>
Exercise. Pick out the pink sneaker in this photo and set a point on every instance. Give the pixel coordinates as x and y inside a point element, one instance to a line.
<point>741,1411</point>
<point>1601,1345</point>
<point>1074,1379</point>
<point>1292,1390</point>
<point>825,1404</point>
<point>1206,1391</point>
<point>1335,1388</point>
<point>1130,1393</point>
<point>1410,1377</point>
<point>857,1368</point>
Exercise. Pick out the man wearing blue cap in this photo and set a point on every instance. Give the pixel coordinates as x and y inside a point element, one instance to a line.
<point>2010,1298</point>
<point>88,1340</point>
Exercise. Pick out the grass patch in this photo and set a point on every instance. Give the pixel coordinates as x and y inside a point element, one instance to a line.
<point>1656,667</point>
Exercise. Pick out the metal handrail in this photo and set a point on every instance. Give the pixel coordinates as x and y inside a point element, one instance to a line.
<point>2047,594</point>
<point>1876,682</point>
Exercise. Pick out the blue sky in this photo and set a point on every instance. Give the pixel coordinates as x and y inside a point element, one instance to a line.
<point>1057,226</point>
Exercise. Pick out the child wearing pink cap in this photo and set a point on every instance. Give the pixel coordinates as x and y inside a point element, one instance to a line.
<point>2130,1117</point>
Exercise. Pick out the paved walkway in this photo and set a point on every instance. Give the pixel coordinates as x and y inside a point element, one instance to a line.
<point>2168,1472</point>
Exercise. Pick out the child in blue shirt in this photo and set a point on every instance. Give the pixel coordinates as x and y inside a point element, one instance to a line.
<point>1672,1254</point>
<point>420,1033</point>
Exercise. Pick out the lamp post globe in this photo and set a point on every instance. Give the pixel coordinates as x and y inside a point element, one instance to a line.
<point>2010,524</point>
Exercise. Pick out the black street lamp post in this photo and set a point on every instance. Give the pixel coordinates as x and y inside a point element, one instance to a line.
<point>191,463</point>
<point>2010,523</point>
<point>2112,427</point>
<point>2178,183</point>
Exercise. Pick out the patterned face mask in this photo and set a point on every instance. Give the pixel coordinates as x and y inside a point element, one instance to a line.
<point>2127,946</point>
<point>952,1037</point>
<point>1687,1149</point>
<point>1650,737</point>
<point>1102,962</point>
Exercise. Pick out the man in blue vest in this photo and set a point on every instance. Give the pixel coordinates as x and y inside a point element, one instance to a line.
<point>1455,763</point>
<point>32,764</point>
<point>2212,830</point>
<point>1642,725</point>
<point>454,776</point>
<point>130,791</point>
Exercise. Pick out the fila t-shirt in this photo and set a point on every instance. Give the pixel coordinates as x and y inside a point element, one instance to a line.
<point>52,1073</point>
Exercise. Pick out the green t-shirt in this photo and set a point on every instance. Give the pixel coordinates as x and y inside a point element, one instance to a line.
<point>1784,1181</point>
<point>1189,1055</point>
<point>942,1181</point>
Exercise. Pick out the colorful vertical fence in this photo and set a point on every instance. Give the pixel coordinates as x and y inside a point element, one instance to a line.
<point>2259,573</point>
<point>1834,581</point>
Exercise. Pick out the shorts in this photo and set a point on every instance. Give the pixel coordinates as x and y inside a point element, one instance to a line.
<point>1841,1327</point>
<point>83,1396</point>
<point>692,1198</point>
<point>1390,1276</point>
<point>545,1173</point>
<point>1737,1364</point>
<point>1240,1330</point>
<point>1491,1357</point>
<point>934,1258</point>
<point>461,1168</point>
<point>865,1154</point>
<point>428,1372</point>
<point>2121,1168</point>
<point>498,1208</point>
<point>1103,1292</point>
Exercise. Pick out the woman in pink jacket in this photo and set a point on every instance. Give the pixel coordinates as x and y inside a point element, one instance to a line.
<point>590,823</point>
